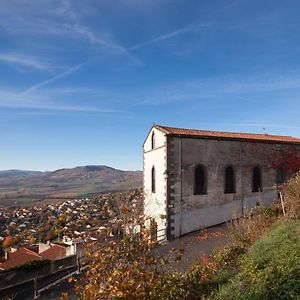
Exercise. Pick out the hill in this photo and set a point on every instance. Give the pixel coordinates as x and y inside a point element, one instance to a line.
<point>18,173</point>
<point>19,187</point>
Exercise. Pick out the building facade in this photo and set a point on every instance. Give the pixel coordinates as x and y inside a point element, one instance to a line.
<point>194,179</point>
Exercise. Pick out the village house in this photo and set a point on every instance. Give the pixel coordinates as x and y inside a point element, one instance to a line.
<point>194,179</point>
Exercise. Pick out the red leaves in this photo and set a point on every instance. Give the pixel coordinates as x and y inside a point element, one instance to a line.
<point>205,234</point>
<point>288,161</point>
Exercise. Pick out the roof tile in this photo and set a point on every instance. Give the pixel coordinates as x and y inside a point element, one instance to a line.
<point>54,252</point>
<point>227,135</point>
<point>20,257</point>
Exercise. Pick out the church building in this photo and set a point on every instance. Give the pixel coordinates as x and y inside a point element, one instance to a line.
<point>194,179</point>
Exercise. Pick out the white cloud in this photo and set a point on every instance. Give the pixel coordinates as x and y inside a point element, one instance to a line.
<point>55,78</point>
<point>241,87</point>
<point>26,61</point>
<point>56,18</point>
<point>45,101</point>
<point>170,35</point>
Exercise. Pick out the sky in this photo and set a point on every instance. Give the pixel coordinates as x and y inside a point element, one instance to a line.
<point>82,82</point>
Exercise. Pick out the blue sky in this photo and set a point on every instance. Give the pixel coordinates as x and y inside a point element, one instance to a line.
<point>81,82</point>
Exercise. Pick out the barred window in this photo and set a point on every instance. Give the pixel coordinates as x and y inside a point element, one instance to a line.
<point>229,180</point>
<point>200,180</point>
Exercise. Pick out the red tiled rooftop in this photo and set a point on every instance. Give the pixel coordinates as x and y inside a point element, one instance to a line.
<point>54,252</point>
<point>227,135</point>
<point>20,257</point>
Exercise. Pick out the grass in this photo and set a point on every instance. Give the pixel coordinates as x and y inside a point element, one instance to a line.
<point>270,269</point>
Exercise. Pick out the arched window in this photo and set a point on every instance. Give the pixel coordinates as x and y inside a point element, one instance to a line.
<point>153,180</point>
<point>153,140</point>
<point>229,180</point>
<point>256,180</point>
<point>200,181</point>
<point>280,178</point>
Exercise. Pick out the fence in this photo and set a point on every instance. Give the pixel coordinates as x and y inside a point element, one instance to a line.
<point>26,281</point>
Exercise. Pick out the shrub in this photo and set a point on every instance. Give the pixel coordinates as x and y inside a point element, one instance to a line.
<point>32,265</point>
<point>246,230</point>
<point>202,279</point>
<point>291,193</point>
<point>127,269</point>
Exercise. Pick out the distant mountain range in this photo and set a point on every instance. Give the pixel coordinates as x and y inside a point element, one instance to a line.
<point>20,187</point>
<point>18,173</point>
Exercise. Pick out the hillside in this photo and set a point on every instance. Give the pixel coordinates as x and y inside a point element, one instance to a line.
<point>19,187</point>
<point>18,173</point>
<point>260,260</point>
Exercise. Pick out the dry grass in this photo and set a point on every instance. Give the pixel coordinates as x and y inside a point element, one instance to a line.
<point>255,222</point>
<point>291,196</point>
<point>246,230</point>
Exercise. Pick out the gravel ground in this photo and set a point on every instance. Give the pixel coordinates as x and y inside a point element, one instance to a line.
<point>196,245</point>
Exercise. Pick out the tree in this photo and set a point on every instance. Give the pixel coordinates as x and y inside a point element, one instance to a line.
<point>9,241</point>
<point>127,269</point>
<point>50,236</point>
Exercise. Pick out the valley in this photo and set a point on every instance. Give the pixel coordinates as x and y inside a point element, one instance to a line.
<point>31,187</point>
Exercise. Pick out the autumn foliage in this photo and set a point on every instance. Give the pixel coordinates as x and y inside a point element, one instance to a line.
<point>9,241</point>
<point>125,269</point>
<point>288,161</point>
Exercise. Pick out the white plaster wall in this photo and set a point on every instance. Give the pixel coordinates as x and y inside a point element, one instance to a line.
<point>70,250</point>
<point>43,247</point>
<point>155,203</point>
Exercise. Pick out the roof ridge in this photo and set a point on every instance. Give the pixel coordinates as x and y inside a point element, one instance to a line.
<point>263,137</point>
<point>229,132</point>
<point>30,251</point>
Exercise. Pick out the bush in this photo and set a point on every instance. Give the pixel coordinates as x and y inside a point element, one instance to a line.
<point>202,279</point>
<point>31,266</point>
<point>291,193</point>
<point>271,268</point>
<point>246,230</point>
<point>127,269</point>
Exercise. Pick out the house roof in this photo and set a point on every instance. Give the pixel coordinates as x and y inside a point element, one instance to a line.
<point>56,251</point>
<point>20,257</point>
<point>194,133</point>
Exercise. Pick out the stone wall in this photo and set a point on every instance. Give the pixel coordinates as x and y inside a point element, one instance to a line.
<point>188,212</point>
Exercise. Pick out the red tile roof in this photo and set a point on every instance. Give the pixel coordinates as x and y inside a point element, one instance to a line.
<point>227,135</point>
<point>54,252</point>
<point>20,257</point>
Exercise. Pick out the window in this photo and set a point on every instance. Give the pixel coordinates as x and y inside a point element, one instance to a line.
<point>256,180</point>
<point>153,180</point>
<point>280,178</point>
<point>200,181</point>
<point>153,140</point>
<point>229,180</point>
